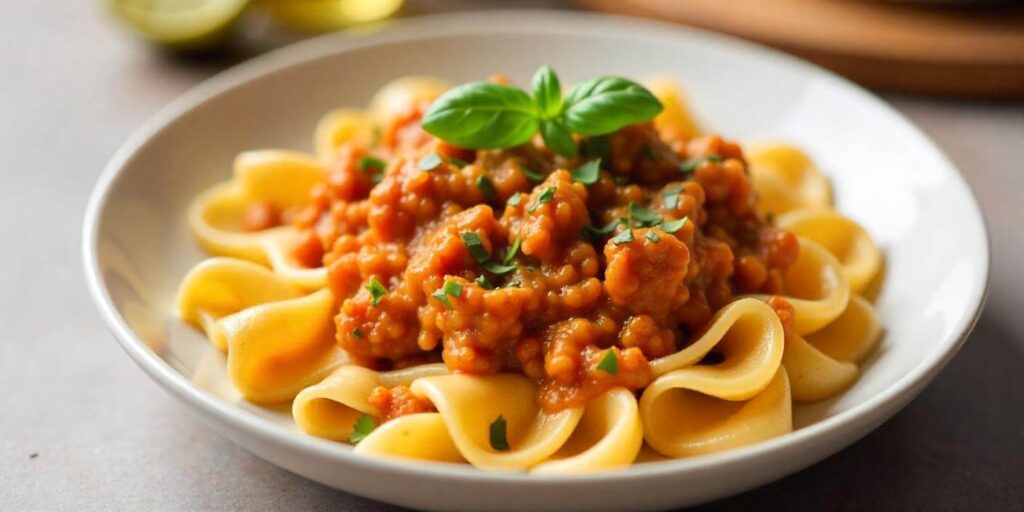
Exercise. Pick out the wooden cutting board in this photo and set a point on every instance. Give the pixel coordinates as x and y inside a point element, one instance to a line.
<point>965,50</point>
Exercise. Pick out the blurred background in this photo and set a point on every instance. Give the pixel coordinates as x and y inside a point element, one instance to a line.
<point>948,47</point>
<point>83,429</point>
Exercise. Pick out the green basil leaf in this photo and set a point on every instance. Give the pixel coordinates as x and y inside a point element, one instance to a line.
<point>482,115</point>
<point>515,199</point>
<point>547,93</point>
<point>545,196</point>
<point>587,173</point>
<point>593,233</point>
<point>652,236</point>
<point>484,283</point>
<point>376,289</point>
<point>429,162</point>
<point>532,175</point>
<point>558,138</point>
<point>486,186</point>
<point>603,105</point>
<point>512,250</point>
<point>670,197</point>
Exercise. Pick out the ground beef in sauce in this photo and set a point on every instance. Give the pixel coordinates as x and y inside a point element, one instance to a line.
<point>569,293</point>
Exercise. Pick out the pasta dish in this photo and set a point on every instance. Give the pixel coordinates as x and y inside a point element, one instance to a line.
<point>531,280</point>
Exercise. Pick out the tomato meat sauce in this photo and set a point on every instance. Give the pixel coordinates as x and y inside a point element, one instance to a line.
<point>500,261</point>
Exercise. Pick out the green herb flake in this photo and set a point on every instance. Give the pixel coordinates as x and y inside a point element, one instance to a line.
<point>476,249</point>
<point>34,456</point>
<point>545,196</point>
<point>594,233</point>
<point>515,199</point>
<point>357,333</point>
<point>643,217</point>
<point>652,236</point>
<point>609,363</point>
<point>587,173</point>
<point>377,290</point>
<point>486,186</point>
<point>622,180</point>
<point>623,238</point>
<point>512,250</point>
<point>450,289</point>
<point>499,434</point>
<point>670,197</point>
<point>674,225</point>
<point>457,162</point>
<point>692,164</point>
<point>484,283</point>
<point>532,175</point>
<point>376,178</point>
<point>371,163</point>
<point>361,428</point>
<point>429,162</point>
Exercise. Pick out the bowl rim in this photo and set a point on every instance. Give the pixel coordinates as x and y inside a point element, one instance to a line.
<point>512,22</point>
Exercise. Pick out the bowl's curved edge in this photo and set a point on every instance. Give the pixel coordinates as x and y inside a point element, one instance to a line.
<point>883,405</point>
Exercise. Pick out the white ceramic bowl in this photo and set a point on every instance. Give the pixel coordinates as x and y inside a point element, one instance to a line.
<point>886,173</point>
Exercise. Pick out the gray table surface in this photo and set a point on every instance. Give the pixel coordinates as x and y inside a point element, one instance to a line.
<point>73,87</point>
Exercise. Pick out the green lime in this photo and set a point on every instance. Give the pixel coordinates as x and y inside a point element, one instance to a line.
<point>181,24</point>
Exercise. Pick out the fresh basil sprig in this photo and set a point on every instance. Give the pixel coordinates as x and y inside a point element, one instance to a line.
<point>483,115</point>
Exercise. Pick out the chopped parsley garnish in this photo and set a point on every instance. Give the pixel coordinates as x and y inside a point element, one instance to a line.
<point>652,236</point>
<point>34,455</point>
<point>643,217</point>
<point>486,186</point>
<point>371,163</point>
<point>484,283</point>
<point>515,199</point>
<point>623,238</point>
<point>357,333</point>
<point>499,434</point>
<point>361,428</point>
<point>511,252</point>
<point>670,197</point>
<point>377,290</point>
<point>596,147</point>
<point>534,176</point>
<point>429,162</point>
<point>476,249</point>
<point>609,363</point>
<point>593,233</point>
<point>457,162</point>
<point>692,164</point>
<point>622,180</point>
<point>545,197</point>
<point>587,173</point>
<point>674,225</point>
<point>450,289</point>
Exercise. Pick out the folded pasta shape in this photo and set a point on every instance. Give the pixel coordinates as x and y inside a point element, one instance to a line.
<point>786,179</point>
<point>675,113</point>
<point>329,408</point>
<point>816,287</point>
<point>748,335</point>
<point>218,287</point>
<point>853,335</point>
<point>813,375</point>
<point>278,348</point>
<point>422,436</point>
<point>338,127</point>
<point>609,435</point>
<point>280,178</point>
<point>470,404</point>
<point>844,238</point>
<point>394,99</point>
<point>681,421</point>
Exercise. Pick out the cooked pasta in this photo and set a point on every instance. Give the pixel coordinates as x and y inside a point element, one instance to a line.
<point>560,291</point>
